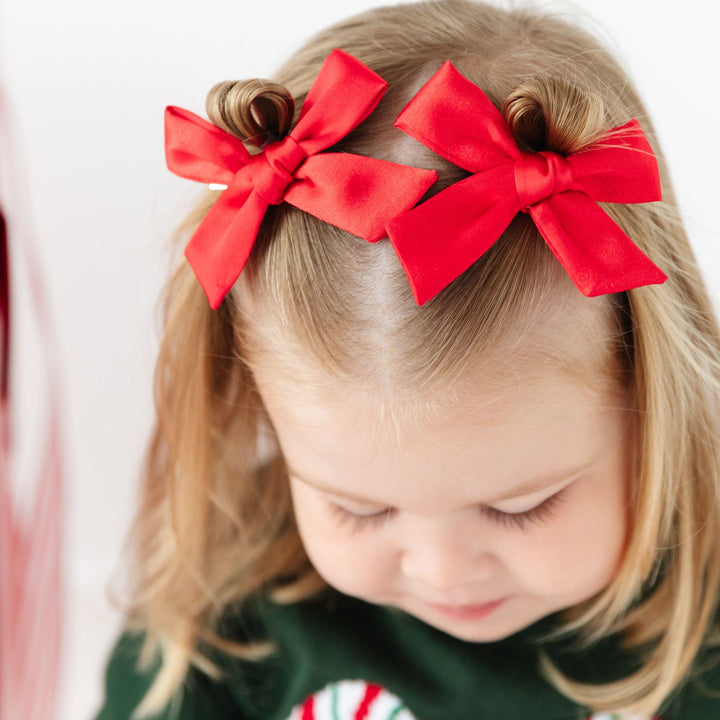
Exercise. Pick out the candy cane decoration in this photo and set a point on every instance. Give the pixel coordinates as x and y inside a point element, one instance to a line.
<point>352,700</point>
<point>361,700</point>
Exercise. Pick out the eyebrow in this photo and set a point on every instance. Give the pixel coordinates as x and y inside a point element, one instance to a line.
<point>544,482</point>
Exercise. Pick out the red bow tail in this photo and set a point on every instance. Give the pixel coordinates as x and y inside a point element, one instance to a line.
<point>595,252</point>
<point>441,238</point>
<point>220,247</point>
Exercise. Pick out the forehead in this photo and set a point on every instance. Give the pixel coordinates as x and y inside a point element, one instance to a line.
<point>397,452</point>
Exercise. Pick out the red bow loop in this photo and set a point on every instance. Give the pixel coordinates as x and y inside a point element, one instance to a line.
<point>455,119</point>
<point>198,150</point>
<point>442,237</point>
<point>344,94</point>
<point>619,168</point>
<point>360,195</point>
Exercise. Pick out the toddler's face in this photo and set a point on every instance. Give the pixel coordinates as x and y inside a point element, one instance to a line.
<point>496,515</point>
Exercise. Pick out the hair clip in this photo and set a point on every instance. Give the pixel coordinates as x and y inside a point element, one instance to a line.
<point>442,237</point>
<point>356,193</point>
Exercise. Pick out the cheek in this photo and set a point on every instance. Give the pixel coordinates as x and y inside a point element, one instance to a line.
<point>578,554</point>
<point>359,563</point>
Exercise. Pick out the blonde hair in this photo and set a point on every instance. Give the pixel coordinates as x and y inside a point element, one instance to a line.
<point>216,525</point>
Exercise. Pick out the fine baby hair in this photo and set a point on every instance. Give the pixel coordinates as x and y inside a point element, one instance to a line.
<point>319,304</point>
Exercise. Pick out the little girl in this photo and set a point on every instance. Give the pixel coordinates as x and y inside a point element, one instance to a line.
<point>437,433</point>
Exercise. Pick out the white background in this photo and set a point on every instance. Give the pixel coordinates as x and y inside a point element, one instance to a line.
<point>85,83</point>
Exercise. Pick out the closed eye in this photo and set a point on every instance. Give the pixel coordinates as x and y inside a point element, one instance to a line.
<point>541,513</point>
<point>360,521</point>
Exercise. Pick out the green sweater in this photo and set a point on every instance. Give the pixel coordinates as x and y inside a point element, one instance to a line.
<point>337,658</point>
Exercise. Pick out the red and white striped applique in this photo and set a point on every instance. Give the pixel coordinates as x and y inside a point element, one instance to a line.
<point>360,700</point>
<point>352,700</point>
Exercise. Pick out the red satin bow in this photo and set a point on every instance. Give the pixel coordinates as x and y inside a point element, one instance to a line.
<point>443,236</point>
<point>356,193</point>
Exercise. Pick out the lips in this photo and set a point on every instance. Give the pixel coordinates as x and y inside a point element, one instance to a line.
<point>467,612</point>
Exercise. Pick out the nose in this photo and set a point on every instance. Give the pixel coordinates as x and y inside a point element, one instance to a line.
<point>446,557</point>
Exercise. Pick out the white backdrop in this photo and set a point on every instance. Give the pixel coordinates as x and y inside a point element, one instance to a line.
<point>85,84</point>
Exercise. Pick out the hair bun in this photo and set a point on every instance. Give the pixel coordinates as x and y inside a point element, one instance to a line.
<point>551,113</point>
<point>256,111</point>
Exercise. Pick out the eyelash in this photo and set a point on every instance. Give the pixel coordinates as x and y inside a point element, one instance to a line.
<point>360,522</point>
<point>521,521</point>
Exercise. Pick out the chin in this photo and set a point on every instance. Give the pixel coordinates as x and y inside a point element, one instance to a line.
<point>482,624</point>
<point>486,634</point>
<point>480,632</point>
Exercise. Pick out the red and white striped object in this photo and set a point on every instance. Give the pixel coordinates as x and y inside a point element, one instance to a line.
<point>31,510</point>
<point>352,700</point>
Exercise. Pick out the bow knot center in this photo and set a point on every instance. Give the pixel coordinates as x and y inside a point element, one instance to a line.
<point>271,171</point>
<point>540,175</point>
